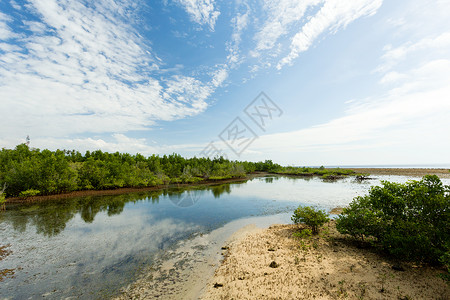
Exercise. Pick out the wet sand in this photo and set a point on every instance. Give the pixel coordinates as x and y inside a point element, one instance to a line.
<point>183,272</point>
<point>271,264</point>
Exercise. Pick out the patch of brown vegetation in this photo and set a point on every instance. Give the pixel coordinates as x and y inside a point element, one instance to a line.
<point>442,173</point>
<point>326,266</point>
<point>4,251</point>
<point>5,273</point>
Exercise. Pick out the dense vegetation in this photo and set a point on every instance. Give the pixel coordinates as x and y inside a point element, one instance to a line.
<point>410,221</point>
<point>29,171</point>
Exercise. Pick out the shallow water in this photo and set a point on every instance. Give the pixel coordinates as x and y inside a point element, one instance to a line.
<point>90,247</point>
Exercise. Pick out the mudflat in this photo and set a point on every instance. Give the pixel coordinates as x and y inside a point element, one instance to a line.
<point>442,173</point>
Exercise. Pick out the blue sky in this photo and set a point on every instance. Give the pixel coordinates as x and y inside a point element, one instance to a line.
<point>355,82</point>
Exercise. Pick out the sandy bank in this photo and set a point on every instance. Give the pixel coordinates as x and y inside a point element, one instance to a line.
<point>325,267</point>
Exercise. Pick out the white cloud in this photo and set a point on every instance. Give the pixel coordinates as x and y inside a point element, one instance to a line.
<point>392,77</point>
<point>239,24</point>
<point>281,16</point>
<point>36,27</point>
<point>297,25</point>
<point>86,69</point>
<point>439,44</point>
<point>334,15</point>
<point>6,32</point>
<point>8,47</point>
<point>202,12</point>
<point>219,77</point>
<point>15,5</point>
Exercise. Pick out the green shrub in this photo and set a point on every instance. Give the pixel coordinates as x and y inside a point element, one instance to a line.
<point>2,200</point>
<point>193,180</point>
<point>29,193</point>
<point>304,234</point>
<point>219,177</point>
<point>175,180</point>
<point>445,260</point>
<point>310,216</point>
<point>410,221</point>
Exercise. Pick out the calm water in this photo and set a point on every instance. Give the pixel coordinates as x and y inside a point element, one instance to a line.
<point>89,247</point>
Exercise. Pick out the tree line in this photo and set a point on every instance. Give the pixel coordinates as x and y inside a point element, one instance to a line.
<point>29,171</point>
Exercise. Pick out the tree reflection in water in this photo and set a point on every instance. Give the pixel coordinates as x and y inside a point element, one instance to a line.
<point>50,217</point>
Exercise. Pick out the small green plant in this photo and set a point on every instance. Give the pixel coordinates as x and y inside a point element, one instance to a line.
<point>29,193</point>
<point>325,233</point>
<point>304,237</point>
<point>304,246</point>
<point>341,291</point>
<point>315,244</point>
<point>304,234</point>
<point>314,218</point>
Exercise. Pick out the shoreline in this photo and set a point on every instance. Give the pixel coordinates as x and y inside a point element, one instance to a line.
<point>119,191</point>
<point>413,172</point>
<point>184,271</point>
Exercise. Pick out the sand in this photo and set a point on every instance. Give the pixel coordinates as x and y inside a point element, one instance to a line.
<point>323,267</point>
